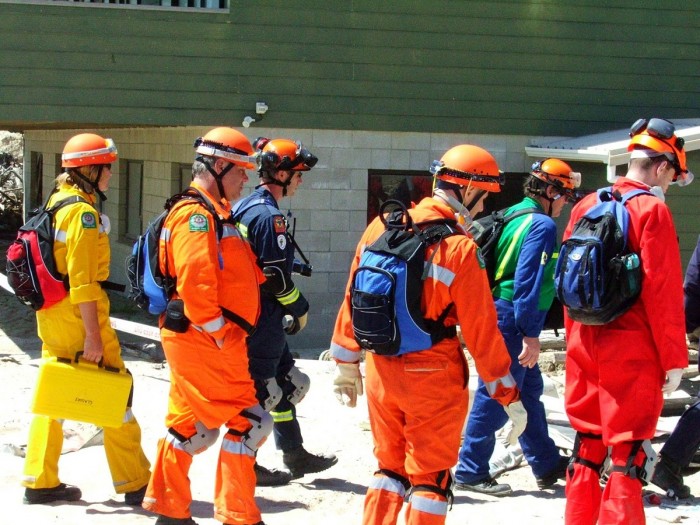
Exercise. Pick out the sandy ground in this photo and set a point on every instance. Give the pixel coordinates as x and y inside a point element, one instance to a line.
<point>335,496</point>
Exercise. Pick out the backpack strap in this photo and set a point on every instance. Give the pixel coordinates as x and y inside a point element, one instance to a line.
<point>520,213</point>
<point>198,196</point>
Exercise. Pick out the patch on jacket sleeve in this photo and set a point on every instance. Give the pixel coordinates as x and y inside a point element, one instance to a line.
<point>88,220</point>
<point>280,227</point>
<point>198,223</point>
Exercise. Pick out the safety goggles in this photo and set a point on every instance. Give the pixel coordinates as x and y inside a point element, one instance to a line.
<point>302,156</point>
<point>658,128</point>
<point>438,167</point>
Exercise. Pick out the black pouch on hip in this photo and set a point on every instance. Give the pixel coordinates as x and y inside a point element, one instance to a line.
<point>175,318</point>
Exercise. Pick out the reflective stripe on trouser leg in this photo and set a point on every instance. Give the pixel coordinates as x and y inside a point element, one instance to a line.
<point>169,491</point>
<point>426,508</point>
<point>128,464</point>
<point>384,499</point>
<point>43,451</point>
<point>583,492</point>
<point>234,500</point>
<point>622,497</point>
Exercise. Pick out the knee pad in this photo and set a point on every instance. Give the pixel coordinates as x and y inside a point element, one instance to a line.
<point>301,383</point>
<point>272,393</point>
<point>643,472</point>
<point>197,443</point>
<point>262,427</point>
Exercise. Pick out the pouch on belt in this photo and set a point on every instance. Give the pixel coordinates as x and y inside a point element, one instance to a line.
<point>82,391</point>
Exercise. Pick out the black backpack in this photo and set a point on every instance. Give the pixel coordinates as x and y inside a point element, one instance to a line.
<point>486,233</point>
<point>598,277</point>
<point>31,267</point>
<point>387,286</point>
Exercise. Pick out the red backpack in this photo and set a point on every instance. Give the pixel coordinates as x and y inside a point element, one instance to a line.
<point>31,268</point>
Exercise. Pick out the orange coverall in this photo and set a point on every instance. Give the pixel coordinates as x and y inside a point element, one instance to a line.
<point>82,252</point>
<point>418,401</point>
<point>210,385</point>
<point>614,372</point>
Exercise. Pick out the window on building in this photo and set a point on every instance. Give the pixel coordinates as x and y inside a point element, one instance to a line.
<point>181,177</point>
<point>36,180</point>
<point>132,204</point>
<point>194,4</point>
<point>403,185</point>
<point>411,186</point>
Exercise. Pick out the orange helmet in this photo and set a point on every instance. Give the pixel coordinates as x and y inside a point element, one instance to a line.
<point>659,135</point>
<point>556,173</point>
<point>283,155</point>
<point>227,144</point>
<point>88,149</point>
<point>467,165</point>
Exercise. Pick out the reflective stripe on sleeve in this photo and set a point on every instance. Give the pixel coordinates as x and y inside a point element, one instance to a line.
<point>213,326</point>
<point>289,298</point>
<point>442,274</point>
<point>165,234</point>
<point>60,235</point>
<point>343,354</point>
<point>507,381</point>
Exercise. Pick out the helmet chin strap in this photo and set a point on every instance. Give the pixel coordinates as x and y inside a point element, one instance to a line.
<point>94,184</point>
<point>462,212</point>
<point>271,180</point>
<point>217,176</point>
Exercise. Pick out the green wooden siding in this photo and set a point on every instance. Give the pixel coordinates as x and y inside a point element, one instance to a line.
<point>542,67</point>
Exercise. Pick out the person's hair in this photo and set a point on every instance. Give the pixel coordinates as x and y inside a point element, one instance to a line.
<point>70,176</point>
<point>534,187</point>
<point>647,162</point>
<point>199,169</point>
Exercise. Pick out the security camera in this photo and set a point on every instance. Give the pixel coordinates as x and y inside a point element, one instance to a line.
<point>248,121</point>
<point>260,108</point>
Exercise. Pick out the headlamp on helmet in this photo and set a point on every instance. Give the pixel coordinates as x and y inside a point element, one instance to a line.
<point>283,155</point>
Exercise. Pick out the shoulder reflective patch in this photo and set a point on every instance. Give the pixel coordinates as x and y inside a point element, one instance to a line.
<point>480,258</point>
<point>199,223</point>
<point>88,220</point>
<point>280,227</point>
<point>282,241</point>
<point>544,258</point>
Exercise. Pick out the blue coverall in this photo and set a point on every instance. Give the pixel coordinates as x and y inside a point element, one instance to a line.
<point>523,295</point>
<point>260,220</point>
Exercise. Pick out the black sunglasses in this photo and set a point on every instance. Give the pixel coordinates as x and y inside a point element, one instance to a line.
<point>659,128</point>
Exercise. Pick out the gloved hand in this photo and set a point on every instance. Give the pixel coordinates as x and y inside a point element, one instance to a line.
<point>274,394</point>
<point>517,414</point>
<point>293,325</point>
<point>348,383</point>
<point>673,379</point>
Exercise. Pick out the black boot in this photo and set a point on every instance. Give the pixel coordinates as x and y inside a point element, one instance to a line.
<point>166,520</point>
<point>300,462</point>
<point>558,473</point>
<point>135,497</point>
<point>667,476</point>
<point>265,477</point>
<point>61,492</point>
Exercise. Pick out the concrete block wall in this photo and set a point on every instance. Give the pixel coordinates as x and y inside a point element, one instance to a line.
<point>330,208</point>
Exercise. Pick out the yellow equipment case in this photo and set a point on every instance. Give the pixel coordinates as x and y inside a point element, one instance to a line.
<point>82,391</point>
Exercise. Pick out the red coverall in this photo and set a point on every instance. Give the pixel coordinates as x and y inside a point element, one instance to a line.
<point>418,401</point>
<point>209,384</point>
<point>614,372</point>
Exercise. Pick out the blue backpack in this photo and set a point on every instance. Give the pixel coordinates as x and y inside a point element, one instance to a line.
<point>387,286</point>
<point>150,289</point>
<point>598,277</point>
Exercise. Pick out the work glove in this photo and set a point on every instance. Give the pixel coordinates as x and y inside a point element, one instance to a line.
<point>293,325</point>
<point>673,379</point>
<point>517,414</point>
<point>274,394</point>
<point>348,383</point>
